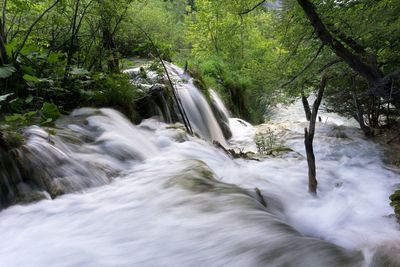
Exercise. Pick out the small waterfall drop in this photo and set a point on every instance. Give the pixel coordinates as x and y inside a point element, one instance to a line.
<point>86,149</point>
<point>203,118</point>
<point>197,109</point>
<point>221,113</point>
<point>219,104</point>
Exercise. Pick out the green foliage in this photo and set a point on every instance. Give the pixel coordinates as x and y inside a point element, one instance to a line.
<point>50,111</point>
<point>367,28</point>
<point>17,120</point>
<point>6,71</point>
<point>116,91</point>
<point>236,54</point>
<point>69,55</point>
<point>265,141</point>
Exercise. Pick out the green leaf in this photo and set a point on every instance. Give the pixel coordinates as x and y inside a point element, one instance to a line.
<point>4,97</point>
<point>29,99</point>
<point>16,104</point>
<point>30,114</point>
<point>11,47</point>
<point>30,78</point>
<point>79,71</point>
<point>49,81</point>
<point>53,58</point>
<point>6,71</point>
<point>50,111</point>
<point>15,119</point>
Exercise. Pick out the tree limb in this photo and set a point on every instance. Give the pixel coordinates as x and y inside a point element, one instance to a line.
<point>31,28</point>
<point>368,72</point>
<point>251,9</point>
<point>3,24</point>
<point>306,67</point>
<point>316,104</point>
<point>330,64</point>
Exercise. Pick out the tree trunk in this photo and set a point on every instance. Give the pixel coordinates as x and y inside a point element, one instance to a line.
<point>109,46</point>
<point>309,137</point>
<point>3,52</point>
<point>312,176</point>
<point>360,117</point>
<point>71,47</point>
<point>3,35</point>
<point>306,106</point>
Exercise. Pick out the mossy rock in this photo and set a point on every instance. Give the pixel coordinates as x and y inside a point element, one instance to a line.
<point>55,190</point>
<point>395,203</point>
<point>199,178</point>
<point>10,140</point>
<point>338,132</point>
<point>395,197</point>
<point>276,151</point>
<point>386,257</point>
<point>26,198</point>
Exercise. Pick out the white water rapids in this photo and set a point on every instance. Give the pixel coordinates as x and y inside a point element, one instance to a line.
<point>179,201</point>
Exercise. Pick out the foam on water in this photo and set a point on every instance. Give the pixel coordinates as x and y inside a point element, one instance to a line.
<point>186,203</point>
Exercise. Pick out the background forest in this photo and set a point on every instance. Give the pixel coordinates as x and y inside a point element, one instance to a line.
<point>57,55</point>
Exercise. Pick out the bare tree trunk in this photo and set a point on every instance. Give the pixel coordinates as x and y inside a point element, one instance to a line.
<point>109,46</point>
<point>360,117</point>
<point>306,106</point>
<point>3,52</point>
<point>3,25</point>
<point>309,137</point>
<point>3,35</point>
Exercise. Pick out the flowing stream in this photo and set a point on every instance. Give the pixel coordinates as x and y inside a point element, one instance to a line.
<point>150,195</point>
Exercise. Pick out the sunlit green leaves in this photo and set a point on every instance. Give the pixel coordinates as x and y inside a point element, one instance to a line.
<point>30,78</point>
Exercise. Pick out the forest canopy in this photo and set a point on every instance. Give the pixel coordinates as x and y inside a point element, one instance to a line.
<point>57,55</point>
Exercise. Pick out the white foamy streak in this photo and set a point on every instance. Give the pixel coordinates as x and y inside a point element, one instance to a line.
<point>88,153</point>
<point>219,103</point>
<point>242,135</point>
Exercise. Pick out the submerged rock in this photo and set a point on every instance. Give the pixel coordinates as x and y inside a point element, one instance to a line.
<point>199,178</point>
<point>337,132</point>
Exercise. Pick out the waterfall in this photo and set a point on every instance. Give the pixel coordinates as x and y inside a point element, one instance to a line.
<point>221,113</point>
<point>150,195</point>
<point>199,113</point>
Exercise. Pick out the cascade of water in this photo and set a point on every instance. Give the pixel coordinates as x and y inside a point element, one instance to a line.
<point>180,201</point>
<point>219,104</point>
<point>221,113</point>
<point>86,149</point>
<point>203,120</point>
<point>196,107</point>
